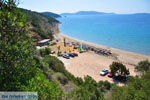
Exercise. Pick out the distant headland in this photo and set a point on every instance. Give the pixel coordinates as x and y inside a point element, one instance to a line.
<point>86,13</point>
<point>98,13</point>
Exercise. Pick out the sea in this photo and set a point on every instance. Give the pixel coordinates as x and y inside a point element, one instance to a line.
<point>129,32</point>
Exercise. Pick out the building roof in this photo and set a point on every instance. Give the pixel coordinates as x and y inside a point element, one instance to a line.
<point>45,40</point>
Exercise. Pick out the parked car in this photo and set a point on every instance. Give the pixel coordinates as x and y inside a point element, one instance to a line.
<point>104,72</point>
<point>71,55</point>
<point>121,78</point>
<point>110,74</point>
<point>66,56</point>
<point>75,54</point>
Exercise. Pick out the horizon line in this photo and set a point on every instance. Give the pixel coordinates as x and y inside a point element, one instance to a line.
<point>95,11</point>
<point>85,11</point>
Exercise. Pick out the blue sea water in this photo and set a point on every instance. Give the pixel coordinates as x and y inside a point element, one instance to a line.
<point>125,32</point>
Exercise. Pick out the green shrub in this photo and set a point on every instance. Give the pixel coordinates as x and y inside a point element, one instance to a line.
<point>65,52</point>
<point>107,85</point>
<point>89,80</point>
<point>42,52</point>
<point>53,44</point>
<point>59,53</point>
<point>45,51</point>
<point>101,86</point>
<point>79,81</point>
<point>17,65</point>
<point>38,21</point>
<point>137,89</point>
<point>104,85</point>
<point>54,63</point>
<point>143,66</point>
<point>58,66</point>
<point>88,90</point>
<point>46,90</point>
<point>61,78</point>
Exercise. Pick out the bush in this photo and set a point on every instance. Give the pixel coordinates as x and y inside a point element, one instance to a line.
<point>53,44</point>
<point>59,53</point>
<point>88,91</point>
<point>137,89</point>
<point>48,72</point>
<point>46,90</point>
<point>79,81</point>
<point>54,63</point>
<point>107,85</point>
<point>61,78</point>
<point>38,22</point>
<point>45,51</point>
<point>17,65</point>
<point>65,52</point>
<point>143,66</point>
<point>103,85</point>
<point>89,80</point>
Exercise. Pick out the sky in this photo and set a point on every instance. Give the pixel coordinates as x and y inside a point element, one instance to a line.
<point>69,6</point>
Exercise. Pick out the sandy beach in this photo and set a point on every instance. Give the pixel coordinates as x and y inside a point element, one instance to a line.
<point>124,56</point>
<point>91,64</point>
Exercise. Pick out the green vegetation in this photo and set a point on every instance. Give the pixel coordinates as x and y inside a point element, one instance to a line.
<point>43,52</point>
<point>59,53</point>
<point>23,68</point>
<point>137,88</point>
<point>88,89</point>
<point>16,62</point>
<point>40,24</point>
<point>119,68</point>
<point>104,85</point>
<point>64,42</point>
<point>53,44</point>
<point>50,14</point>
<point>46,90</point>
<point>61,78</point>
<point>54,63</point>
<point>143,66</point>
<point>18,68</point>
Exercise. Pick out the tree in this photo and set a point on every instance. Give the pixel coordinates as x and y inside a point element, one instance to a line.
<point>137,88</point>
<point>17,66</point>
<point>119,68</point>
<point>59,52</point>
<point>65,42</point>
<point>143,66</point>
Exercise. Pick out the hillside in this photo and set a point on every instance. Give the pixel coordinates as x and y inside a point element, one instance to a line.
<point>41,26</point>
<point>50,14</point>
<point>24,68</point>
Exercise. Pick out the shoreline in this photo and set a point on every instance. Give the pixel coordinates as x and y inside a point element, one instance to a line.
<point>124,56</point>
